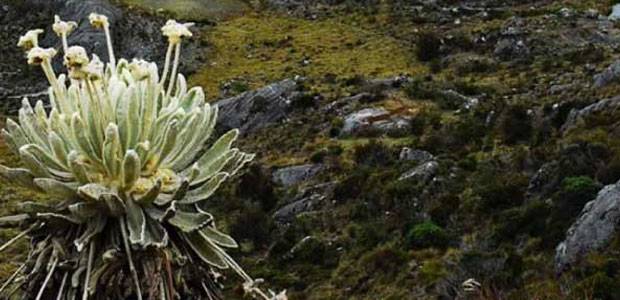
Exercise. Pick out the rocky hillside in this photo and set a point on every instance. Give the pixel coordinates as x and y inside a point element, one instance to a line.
<point>428,149</point>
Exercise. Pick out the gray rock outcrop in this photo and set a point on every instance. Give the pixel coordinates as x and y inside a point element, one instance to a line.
<point>594,228</point>
<point>605,106</point>
<point>422,173</point>
<point>295,174</point>
<point>609,75</point>
<point>257,109</point>
<point>415,155</point>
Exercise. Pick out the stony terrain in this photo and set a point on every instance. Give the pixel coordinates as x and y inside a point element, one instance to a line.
<point>405,149</point>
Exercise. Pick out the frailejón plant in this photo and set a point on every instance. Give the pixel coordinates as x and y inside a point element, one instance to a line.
<point>123,147</point>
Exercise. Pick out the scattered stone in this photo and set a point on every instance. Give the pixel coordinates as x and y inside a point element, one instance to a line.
<point>296,174</point>
<point>608,76</point>
<point>415,155</point>
<point>592,231</point>
<point>257,109</point>
<point>374,119</point>
<point>422,173</point>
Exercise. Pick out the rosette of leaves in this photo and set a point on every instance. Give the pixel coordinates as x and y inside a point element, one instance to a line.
<point>130,154</point>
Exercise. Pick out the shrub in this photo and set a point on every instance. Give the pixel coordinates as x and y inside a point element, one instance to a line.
<point>515,124</point>
<point>427,234</point>
<point>574,194</point>
<point>384,259</point>
<point>428,46</point>
<point>373,153</point>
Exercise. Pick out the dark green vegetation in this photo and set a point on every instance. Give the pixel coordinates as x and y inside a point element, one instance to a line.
<point>378,237</point>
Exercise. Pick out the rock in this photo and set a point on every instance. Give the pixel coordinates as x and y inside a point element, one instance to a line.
<point>374,119</point>
<point>592,13</point>
<point>309,199</point>
<point>544,181</point>
<point>615,13</point>
<point>574,159</point>
<point>422,173</point>
<point>293,175</point>
<point>596,225</point>
<point>257,109</point>
<point>608,76</point>
<point>510,48</point>
<point>344,105</point>
<point>455,99</point>
<point>605,106</point>
<point>417,156</point>
<point>566,12</point>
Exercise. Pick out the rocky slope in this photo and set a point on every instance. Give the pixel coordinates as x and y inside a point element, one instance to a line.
<point>406,149</point>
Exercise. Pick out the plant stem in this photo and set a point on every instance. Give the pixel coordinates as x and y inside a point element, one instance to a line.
<point>112,59</point>
<point>175,65</point>
<point>162,80</point>
<point>170,284</point>
<point>89,268</point>
<point>10,280</point>
<point>65,45</point>
<point>16,238</point>
<point>62,286</point>
<point>47,279</point>
<point>132,268</point>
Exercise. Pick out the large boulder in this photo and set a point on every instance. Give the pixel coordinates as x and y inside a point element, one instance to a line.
<point>415,155</point>
<point>594,228</point>
<point>257,109</point>
<point>295,174</point>
<point>374,120</point>
<point>422,173</point>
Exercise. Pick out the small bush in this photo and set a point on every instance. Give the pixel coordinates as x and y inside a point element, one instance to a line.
<point>373,153</point>
<point>428,46</point>
<point>252,224</point>
<point>427,234</point>
<point>515,124</point>
<point>575,193</point>
<point>384,259</point>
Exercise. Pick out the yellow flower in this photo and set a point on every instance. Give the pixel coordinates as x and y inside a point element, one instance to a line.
<point>76,57</point>
<point>30,39</point>
<point>98,20</point>
<point>38,55</point>
<point>61,27</point>
<point>140,69</point>
<point>175,31</point>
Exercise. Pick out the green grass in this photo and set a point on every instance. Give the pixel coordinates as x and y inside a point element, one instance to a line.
<point>262,48</point>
